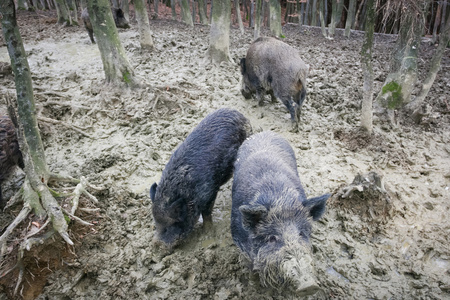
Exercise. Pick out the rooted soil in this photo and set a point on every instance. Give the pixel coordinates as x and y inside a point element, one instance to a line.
<point>406,256</point>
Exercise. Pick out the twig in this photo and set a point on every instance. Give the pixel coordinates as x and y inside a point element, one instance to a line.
<point>71,126</point>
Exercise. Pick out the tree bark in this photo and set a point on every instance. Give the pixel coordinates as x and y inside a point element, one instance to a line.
<point>219,42</point>
<point>115,62</point>
<point>257,19</point>
<point>444,39</point>
<point>334,17</point>
<point>186,13</point>
<point>350,18</point>
<point>366,60</point>
<point>62,10</point>
<point>275,18</point>
<point>322,21</point>
<point>202,12</point>
<point>238,16</point>
<point>399,84</point>
<point>36,168</point>
<point>145,36</point>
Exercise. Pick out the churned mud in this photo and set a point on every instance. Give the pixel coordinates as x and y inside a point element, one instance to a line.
<point>388,241</point>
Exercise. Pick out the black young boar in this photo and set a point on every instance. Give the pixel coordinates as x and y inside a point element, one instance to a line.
<point>271,217</point>
<point>194,174</point>
<point>274,67</point>
<point>119,19</point>
<point>10,154</point>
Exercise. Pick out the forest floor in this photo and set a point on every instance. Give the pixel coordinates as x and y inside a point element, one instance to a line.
<point>362,250</point>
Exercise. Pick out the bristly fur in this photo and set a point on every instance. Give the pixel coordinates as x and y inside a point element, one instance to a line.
<point>196,170</point>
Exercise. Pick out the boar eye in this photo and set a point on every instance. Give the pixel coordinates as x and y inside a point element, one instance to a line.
<point>272,239</point>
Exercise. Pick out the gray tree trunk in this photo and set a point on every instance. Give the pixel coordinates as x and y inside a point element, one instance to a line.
<point>36,168</point>
<point>257,19</point>
<point>115,62</point>
<point>322,21</point>
<point>174,12</point>
<point>219,41</point>
<point>186,13</point>
<point>444,39</point>
<point>399,84</point>
<point>314,13</point>
<point>62,10</point>
<point>145,36</point>
<point>238,16</point>
<point>275,18</point>
<point>350,17</point>
<point>366,61</point>
<point>202,12</point>
<point>126,9</point>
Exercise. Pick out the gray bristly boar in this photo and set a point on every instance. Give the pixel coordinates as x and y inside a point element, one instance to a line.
<point>10,154</point>
<point>274,67</point>
<point>271,216</point>
<point>194,174</point>
<point>119,20</point>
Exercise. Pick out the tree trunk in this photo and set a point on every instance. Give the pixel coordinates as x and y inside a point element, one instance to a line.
<point>275,18</point>
<point>356,24</point>
<point>322,21</point>
<point>145,36</point>
<point>238,16</point>
<point>115,62</point>
<point>300,15</point>
<point>202,12</point>
<point>186,13</point>
<point>219,42</point>
<point>257,19</point>
<point>399,84</point>
<point>156,9</point>
<point>126,9</point>
<point>444,39</point>
<point>334,17</point>
<point>314,13</point>
<point>62,10</point>
<point>36,168</point>
<point>350,18</point>
<point>307,12</point>
<point>174,12</point>
<point>366,61</point>
<point>436,22</point>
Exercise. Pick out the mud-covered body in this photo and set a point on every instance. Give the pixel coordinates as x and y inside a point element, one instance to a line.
<point>10,155</point>
<point>272,66</point>
<point>119,20</point>
<point>195,172</point>
<point>271,216</point>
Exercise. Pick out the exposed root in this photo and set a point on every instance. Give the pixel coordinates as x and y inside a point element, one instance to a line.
<point>71,126</point>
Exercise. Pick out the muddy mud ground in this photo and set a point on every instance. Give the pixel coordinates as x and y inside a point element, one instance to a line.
<point>402,252</point>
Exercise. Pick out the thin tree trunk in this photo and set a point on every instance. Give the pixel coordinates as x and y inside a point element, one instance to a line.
<point>219,42</point>
<point>145,36</point>
<point>275,18</point>
<point>238,16</point>
<point>252,14</point>
<point>356,24</point>
<point>437,20</point>
<point>174,12</point>
<point>334,16</point>
<point>186,13</point>
<point>322,21</point>
<point>35,165</point>
<point>202,12</point>
<point>366,61</point>
<point>125,8</point>
<point>62,10</point>
<point>307,12</point>
<point>350,17</point>
<point>300,17</point>
<point>435,65</point>
<point>257,19</point>
<point>156,11</point>
<point>115,62</point>
<point>314,13</point>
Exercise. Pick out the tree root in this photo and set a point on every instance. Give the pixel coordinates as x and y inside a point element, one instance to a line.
<point>71,126</point>
<point>52,211</point>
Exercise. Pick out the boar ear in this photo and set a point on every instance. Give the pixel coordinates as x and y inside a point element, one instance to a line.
<point>316,206</point>
<point>176,209</point>
<point>153,191</point>
<point>252,215</point>
<point>243,70</point>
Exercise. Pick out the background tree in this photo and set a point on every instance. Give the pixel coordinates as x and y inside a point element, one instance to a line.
<point>399,84</point>
<point>219,41</point>
<point>145,36</point>
<point>350,17</point>
<point>186,13</point>
<point>275,17</point>
<point>258,10</point>
<point>202,12</point>
<point>366,60</point>
<point>238,15</point>
<point>115,62</point>
<point>62,10</point>
<point>444,39</point>
<point>37,197</point>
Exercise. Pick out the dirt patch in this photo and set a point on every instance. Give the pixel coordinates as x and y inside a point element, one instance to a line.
<point>135,132</point>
